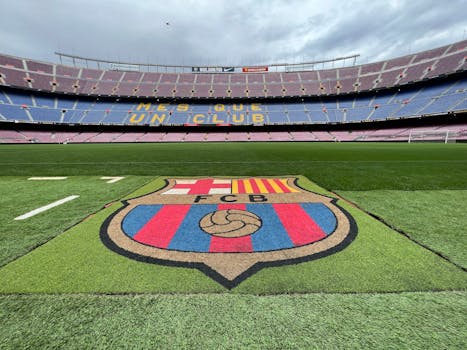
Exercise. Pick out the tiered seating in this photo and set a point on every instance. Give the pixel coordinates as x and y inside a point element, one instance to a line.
<point>385,111</point>
<point>195,137</point>
<point>128,137</point>
<point>358,114</point>
<point>279,136</point>
<point>11,136</point>
<point>216,137</point>
<point>416,72</point>
<point>40,81</point>
<point>46,114</point>
<point>430,99</point>
<point>441,104</point>
<point>302,136</point>
<point>323,136</point>
<point>237,136</point>
<point>14,113</point>
<point>449,64</point>
<point>383,134</point>
<point>459,132</point>
<point>436,96</point>
<point>105,137</point>
<point>260,136</point>
<point>84,137</point>
<point>174,137</point>
<point>39,136</point>
<point>342,136</point>
<point>46,76</point>
<point>152,137</point>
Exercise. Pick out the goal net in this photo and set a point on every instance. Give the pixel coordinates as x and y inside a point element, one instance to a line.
<point>445,136</point>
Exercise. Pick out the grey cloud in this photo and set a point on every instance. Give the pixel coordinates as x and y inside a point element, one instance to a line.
<point>378,31</point>
<point>227,32</point>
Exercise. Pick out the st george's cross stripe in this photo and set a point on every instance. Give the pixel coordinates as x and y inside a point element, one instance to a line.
<point>227,186</point>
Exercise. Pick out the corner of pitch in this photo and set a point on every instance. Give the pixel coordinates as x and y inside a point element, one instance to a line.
<point>229,228</point>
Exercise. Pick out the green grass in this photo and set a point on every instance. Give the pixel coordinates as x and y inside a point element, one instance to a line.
<point>379,260</point>
<point>349,166</point>
<point>19,196</point>
<point>315,321</point>
<point>434,218</point>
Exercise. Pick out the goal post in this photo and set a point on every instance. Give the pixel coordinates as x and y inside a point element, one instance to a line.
<point>444,136</point>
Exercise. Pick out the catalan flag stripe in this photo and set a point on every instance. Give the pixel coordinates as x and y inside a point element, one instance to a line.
<point>284,188</point>
<point>261,187</point>
<point>284,182</point>
<point>234,186</point>
<point>275,186</point>
<point>268,186</point>
<point>254,186</point>
<point>248,188</point>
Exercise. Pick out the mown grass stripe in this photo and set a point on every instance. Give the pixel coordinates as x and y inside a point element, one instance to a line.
<point>299,161</point>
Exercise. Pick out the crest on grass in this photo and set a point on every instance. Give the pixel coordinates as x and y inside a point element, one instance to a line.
<point>229,228</point>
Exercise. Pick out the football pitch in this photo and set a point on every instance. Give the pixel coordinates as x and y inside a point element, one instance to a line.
<point>397,279</point>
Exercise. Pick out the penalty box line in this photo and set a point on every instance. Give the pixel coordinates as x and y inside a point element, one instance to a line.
<point>46,207</point>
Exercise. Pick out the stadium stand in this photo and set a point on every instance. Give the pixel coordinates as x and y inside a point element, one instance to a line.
<point>434,98</point>
<point>456,132</point>
<point>424,84</point>
<point>24,73</point>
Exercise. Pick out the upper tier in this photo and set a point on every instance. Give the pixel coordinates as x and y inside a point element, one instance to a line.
<point>26,73</point>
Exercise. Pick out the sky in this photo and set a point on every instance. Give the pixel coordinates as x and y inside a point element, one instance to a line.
<point>228,32</point>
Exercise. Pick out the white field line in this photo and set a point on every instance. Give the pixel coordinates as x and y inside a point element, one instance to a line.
<point>112,179</point>
<point>48,178</point>
<point>46,207</point>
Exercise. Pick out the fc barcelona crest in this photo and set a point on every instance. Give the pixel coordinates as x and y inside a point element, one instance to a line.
<point>229,228</point>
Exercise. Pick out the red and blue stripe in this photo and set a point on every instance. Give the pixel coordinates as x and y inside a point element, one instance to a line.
<point>176,227</point>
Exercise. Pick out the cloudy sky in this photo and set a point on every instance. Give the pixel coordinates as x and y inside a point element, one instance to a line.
<point>228,32</point>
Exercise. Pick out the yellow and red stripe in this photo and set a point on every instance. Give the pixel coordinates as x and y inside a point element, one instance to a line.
<point>258,186</point>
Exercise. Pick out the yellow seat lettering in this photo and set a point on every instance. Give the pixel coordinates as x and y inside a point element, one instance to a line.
<point>162,107</point>
<point>145,106</point>
<point>199,118</point>
<point>238,118</point>
<point>215,120</point>
<point>183,107</point>
<point>137,118</point>
<point>256,107</point>
<point>257,118</point>
<point>158,118</point>
<point>219,107</point>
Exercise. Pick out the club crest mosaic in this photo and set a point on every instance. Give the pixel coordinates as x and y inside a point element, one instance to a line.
<point>229,228</point>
